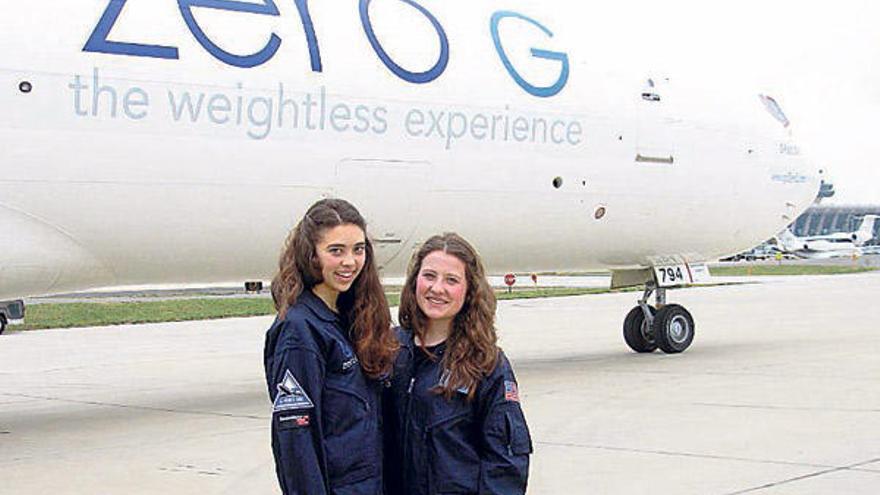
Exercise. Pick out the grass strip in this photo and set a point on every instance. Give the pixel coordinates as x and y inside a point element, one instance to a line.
<point>71,315</point>
<point>75,315</point>
<point>762,270</point>
<point>503,294</point>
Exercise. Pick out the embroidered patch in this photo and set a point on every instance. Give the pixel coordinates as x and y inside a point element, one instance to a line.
<point>294,421</point>
<point>511,392</point>
<point>444,380</point>
<point>291,395</point>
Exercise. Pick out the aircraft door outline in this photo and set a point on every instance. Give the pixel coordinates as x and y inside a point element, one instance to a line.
<point>654,139</point>
<point>390,194</point>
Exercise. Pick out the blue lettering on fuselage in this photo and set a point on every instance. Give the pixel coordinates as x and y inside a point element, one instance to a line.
<point>98,42</point>
<point>244,61</point>
<point>413,77</point>
<point>539,91</point>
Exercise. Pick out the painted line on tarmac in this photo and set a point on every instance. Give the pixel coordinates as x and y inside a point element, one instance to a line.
<point>852,467</point>
<point>687,454</point>
<point>869,468</point>
<point>785,408</point>
<point>136,407</point>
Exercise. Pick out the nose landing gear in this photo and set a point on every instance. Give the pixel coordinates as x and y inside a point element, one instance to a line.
<point>667,326</point>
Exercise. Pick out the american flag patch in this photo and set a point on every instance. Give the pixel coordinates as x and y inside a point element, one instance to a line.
<point>511,393</point>
<point>296,421</point>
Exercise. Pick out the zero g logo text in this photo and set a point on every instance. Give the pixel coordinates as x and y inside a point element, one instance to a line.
<point>98,41</point>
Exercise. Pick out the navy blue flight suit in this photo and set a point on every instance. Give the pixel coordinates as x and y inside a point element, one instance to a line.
<point>326,431</point>
<point>435,445</point>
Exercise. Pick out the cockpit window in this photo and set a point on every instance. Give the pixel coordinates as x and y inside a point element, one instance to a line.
<point>774,109</point>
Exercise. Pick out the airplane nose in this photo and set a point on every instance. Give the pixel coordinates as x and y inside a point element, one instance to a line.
<point>798,177</point>
<point>810,175</point>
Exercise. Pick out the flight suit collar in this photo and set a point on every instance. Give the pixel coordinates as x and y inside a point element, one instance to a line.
<point>407,341</point>
<point>317,306</point>
<point>406,338</point>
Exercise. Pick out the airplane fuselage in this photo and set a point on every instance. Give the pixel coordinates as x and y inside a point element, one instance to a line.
<point>147,142</point>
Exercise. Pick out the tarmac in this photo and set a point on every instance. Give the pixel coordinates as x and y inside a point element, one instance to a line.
<point>779,394</point>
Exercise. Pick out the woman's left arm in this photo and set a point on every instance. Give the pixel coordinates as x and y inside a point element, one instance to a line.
<point>505,439</point>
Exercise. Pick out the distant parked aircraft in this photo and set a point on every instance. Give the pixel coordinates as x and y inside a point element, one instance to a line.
<point>831,245</point>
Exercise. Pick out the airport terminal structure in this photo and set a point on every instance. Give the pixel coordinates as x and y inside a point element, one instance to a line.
<point>822,220</point>
<point>827,219</point>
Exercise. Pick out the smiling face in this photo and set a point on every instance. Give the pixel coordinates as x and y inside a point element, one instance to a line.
<point>341,252</point>
<point>441,287</point>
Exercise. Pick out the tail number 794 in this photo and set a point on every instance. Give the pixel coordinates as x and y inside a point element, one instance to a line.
<point>682,274</point>
<point>672,275</point>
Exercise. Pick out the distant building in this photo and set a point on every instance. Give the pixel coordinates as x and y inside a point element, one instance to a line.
<point>827,219</point>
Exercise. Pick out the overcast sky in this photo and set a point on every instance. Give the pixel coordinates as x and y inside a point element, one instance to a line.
<point>821,60</point>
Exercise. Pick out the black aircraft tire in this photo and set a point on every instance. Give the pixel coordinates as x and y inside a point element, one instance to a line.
<point>673,329</point>
<point>636,332</point>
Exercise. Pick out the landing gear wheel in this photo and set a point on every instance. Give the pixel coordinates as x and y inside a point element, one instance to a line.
<point>2,324</point>
<point>637,332</point>
<point>673,329</point>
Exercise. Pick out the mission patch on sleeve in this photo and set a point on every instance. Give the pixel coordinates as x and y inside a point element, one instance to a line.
<point>291,395</point>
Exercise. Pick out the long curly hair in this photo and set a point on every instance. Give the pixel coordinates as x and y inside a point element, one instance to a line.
<point>472,346</point>
<point>363,306</point>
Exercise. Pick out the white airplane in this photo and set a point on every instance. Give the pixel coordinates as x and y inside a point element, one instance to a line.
<point>147,142</point>
<point>838,244</point>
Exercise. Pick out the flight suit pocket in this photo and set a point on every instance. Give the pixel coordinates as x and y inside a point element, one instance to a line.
<point>349,436</point>
<point>519,441</point>
<point>455,464</point>
<point>344,410</point>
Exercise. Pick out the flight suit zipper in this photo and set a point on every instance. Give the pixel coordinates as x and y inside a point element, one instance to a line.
<point>405,423</point>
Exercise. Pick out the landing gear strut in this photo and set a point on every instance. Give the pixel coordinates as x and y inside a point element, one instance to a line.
<point>667,326</point>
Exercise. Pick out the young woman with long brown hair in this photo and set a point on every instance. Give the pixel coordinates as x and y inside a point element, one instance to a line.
<point>326,356</point>
<point>454,422</point>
